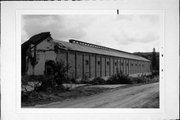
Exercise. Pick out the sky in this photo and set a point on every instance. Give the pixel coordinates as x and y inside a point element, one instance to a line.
<point>127,32</point>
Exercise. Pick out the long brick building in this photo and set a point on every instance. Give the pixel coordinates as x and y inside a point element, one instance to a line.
<point>86,60</point>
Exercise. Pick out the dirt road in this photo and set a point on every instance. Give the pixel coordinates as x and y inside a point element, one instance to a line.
<point>130,97</point>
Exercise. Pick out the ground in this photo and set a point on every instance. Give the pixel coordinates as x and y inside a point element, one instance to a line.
<point>135,96</point>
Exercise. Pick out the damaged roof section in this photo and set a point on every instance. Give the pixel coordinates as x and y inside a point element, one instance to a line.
<point>36,39</point>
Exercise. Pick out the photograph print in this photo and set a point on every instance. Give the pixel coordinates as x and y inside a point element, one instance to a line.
<point>90,61</point>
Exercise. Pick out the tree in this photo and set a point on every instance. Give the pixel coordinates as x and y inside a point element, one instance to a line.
<point>55,75</point>
<point>60,72</point>
<point>154,60</point>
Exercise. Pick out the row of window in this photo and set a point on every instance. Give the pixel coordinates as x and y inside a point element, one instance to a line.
<point>87,63</point>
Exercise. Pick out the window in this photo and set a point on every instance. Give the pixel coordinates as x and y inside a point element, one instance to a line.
<point>122,64</point>
<point>115,63</point>
<point>87,62</point>
<point>107,62</point>
<point>127,64</point>
<point>98,62</point>
<point>131,64</point>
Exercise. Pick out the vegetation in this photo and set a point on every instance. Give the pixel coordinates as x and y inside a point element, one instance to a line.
<point>51,81</point>
<point>58,95</point>
<point>121,78</point>
<point>155,65</point>
<point>98,81</point>
<point>153,57</point>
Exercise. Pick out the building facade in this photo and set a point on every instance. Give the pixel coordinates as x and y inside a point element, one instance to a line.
<point>86,60</point>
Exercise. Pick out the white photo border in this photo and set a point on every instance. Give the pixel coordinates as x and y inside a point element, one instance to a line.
<point>39,113</point>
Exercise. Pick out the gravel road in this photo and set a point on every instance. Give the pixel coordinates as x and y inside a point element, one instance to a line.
<point>130,97</point>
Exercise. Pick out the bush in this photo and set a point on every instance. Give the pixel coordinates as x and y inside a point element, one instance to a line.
<point>98,81</point>
<point>145,79</point>
<point>32,85</point>
<point>83,81</point>
<point>155,73</point>
<point>138,80</point>
<point>119,78</point>
<point>60,72</point>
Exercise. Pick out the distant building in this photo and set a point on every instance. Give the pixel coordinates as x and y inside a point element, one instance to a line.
<point>86,60</point>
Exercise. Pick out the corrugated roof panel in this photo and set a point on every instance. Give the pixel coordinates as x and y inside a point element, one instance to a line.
<point>82,48</point>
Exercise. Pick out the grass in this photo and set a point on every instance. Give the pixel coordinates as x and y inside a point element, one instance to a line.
<point>45,98</point>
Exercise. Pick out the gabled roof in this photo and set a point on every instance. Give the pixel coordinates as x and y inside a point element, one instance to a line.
<point>76,45</point>
<point>101,50</point>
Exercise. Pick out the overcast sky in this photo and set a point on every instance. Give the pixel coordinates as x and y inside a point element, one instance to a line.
<point>131,33</point>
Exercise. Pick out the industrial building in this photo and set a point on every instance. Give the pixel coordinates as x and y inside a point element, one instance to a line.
<point>86,60</point>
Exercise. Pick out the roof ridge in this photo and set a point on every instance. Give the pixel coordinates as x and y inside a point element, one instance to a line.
<point>68,45</point>
<point>95,46</point>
